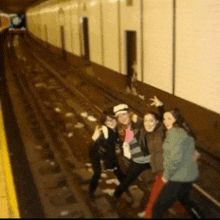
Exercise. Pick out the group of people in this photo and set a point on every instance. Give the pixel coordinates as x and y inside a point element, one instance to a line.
<point>162,141</point>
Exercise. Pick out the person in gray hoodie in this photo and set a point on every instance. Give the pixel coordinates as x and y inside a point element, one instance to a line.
<point>180,170</point>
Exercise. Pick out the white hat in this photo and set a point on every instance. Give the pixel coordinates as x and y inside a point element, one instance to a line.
<point>121,108</point>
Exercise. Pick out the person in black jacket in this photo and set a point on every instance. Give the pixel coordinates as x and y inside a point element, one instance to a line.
<point>103,148</point>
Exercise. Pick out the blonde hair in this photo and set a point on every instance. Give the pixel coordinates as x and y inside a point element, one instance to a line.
<point>121,127</point>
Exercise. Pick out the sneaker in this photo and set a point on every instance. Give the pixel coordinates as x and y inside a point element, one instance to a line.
<point>110,181</point>
<point>110,192</point>
<point>141,214</point>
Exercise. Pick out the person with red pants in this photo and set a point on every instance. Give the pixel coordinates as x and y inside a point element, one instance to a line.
<point>180,169</point>
<point>155,134</point>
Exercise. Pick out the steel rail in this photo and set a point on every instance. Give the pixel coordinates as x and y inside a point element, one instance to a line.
<point>60,157</point>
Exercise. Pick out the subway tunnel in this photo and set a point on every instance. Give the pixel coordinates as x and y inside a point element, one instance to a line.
<point>65,61</point>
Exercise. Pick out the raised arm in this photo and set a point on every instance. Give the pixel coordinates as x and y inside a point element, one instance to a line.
<point>157,103</point>
<point>96,133</point>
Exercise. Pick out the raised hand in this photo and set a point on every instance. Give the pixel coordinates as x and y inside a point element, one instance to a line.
<point>96,133</point>
<point>156,101</point>
<point>134,118</point>
<point>196,155</point>
<point>163,179</point>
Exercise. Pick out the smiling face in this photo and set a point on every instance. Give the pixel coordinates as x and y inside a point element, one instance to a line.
<point>168,120</point>
<point>150,122</point>
<point>124,118</point>
<point>110,122</point>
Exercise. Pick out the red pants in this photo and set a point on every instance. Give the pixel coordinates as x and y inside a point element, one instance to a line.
<point>158,184</point>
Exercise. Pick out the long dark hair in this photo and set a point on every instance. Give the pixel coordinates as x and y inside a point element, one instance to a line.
<point>108,112</point>
<point>181,122</point>
<point>155,115</point>
<point>159,119</point>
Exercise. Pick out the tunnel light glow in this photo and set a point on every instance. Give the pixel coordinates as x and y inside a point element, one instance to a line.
<point>12,15</point>
<point>113,1</point>
<point>93,3</point>
<point>4,15</point>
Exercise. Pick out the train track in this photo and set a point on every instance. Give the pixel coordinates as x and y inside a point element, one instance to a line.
<point>80,93</point>
<point>57,160</point>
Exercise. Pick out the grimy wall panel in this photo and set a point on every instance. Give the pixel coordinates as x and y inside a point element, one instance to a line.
<point>52,25</point>
<point>157,43</point>
<point>95,34</point>
<point>67,27</point>
<point>75,28</point>
<point>44,24</point>
<point>130,20</point>
<point>30,20</point>
<point>37,22</point>
<point>198,52</point>
<point>111,34</point>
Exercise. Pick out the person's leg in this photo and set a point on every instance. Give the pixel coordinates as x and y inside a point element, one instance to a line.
<point>189,205</point>
<point>96,166</point>
<point>134,171</point>
<point>166,198</point>
<point>158,184</point>
<point>119,174</point>
<point>110,160</point>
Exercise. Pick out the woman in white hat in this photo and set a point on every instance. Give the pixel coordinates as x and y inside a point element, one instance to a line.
<point>134,147</point>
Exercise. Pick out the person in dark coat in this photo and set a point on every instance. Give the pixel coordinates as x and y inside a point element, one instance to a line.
<point>103,149</point>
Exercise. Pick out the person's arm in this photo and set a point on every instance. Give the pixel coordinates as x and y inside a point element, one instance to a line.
<point>161,111</point>
<point>157,103</point>
<point>96,133</point>
<point>163,179</point>
<point>96,138</point>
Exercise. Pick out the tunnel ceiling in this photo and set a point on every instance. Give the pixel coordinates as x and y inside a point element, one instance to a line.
<point>17,6</point>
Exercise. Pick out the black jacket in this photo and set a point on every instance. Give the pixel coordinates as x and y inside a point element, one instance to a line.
<point>104,149</point>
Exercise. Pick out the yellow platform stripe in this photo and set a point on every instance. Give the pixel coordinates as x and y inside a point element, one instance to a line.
<point>4,27</point>
<point>12,210</point>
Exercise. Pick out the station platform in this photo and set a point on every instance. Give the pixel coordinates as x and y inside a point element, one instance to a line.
<point>16,181</point>
<point>8,197</point>
<point>13,163</point>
